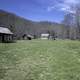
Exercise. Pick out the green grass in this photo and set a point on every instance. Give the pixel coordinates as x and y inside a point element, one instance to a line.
<point>40,60</point>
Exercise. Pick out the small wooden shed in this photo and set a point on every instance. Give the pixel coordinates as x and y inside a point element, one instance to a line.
<point>5,35</point>
<point>27,37</point>
<point>45,36</point>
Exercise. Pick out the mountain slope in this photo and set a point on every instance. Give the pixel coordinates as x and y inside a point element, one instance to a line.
<point>20,26</point>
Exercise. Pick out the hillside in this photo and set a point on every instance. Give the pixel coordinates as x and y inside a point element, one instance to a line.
<point>20,26</point>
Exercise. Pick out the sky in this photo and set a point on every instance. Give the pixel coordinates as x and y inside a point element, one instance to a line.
<point>40,10</point>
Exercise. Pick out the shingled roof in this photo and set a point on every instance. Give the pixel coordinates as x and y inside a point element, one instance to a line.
<point>5,30</point>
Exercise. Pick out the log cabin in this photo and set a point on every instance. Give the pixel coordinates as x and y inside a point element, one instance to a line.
<point>5,35</point>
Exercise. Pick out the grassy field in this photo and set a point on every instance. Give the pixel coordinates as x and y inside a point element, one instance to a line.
<point>40,60</point>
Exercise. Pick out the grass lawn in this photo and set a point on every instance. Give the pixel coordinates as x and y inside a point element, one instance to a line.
<point>40,60</point>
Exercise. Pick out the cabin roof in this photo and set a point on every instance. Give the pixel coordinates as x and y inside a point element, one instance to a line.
<point>5,30</point>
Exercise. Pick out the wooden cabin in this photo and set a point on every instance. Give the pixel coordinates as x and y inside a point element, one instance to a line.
<point>5,35</point>
<point>27,37</point>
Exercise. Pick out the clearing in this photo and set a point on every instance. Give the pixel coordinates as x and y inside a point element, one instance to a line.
<point>40,60</point>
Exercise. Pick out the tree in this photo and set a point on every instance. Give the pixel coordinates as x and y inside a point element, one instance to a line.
<point>72,23</point>
<point>68,23</point>
<point>77,16</point>
<point>12,28</point>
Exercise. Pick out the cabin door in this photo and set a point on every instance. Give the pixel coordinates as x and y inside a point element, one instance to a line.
<point>3,38</point>
<point>0,37</point>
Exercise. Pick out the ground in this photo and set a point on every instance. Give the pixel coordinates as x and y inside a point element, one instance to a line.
<point>40,60</point>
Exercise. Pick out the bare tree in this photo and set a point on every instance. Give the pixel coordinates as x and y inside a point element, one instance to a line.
<point>68,20</point>
<point>77,20</point>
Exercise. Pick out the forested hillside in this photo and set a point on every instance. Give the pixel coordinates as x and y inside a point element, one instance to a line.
<point>20,26</point>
